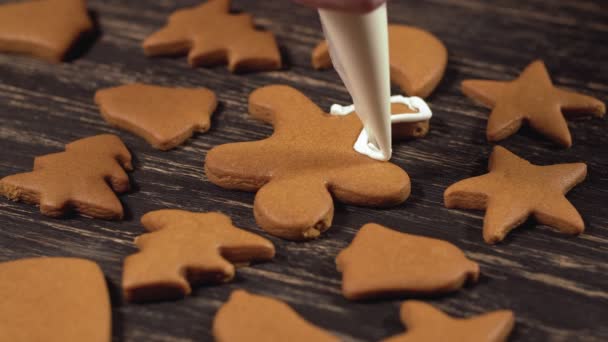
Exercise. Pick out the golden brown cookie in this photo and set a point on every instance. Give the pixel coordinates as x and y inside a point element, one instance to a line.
<point>211,35</point>
<point>309,158</point>
<point>532,98</point>
<point>46,29</point>
<point>418,59</point>
<point>165,117</point>
<point>83,179</point>
<point>247,317</point>
<point>54,300</point>
<point>381,262</point>
<point>515,190</point>
<point>425,324</point>
<point>185,247</point>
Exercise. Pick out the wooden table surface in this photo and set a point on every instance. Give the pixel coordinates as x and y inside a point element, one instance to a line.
<point>557,285</point>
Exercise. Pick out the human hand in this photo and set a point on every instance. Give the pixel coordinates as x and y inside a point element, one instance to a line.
<point>358,6</point>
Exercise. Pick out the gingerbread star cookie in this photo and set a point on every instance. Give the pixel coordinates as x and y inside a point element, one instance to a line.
<point>247,317</point>
<point>425,324</point>
<point>165,117</point>
<point>381,262</point>
<point>83,179</point>
<point>46,29</point>
<point>54,300</point>
<point>515,190</point>
<point>531,98</point>
<point>210,34</point>
<point>417,58</point>
<point>185,247</point>
<point>309,158</point>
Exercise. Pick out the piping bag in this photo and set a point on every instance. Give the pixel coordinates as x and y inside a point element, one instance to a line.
<point>358,46</point>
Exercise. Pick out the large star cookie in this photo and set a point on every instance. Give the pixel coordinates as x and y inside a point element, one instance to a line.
<point>425,323</point>
<point>211,35</point>
<point>165,117</point>
<point>531,98</point>
<point>82,178</point>
<point>43,28</point>
<point>309,158</point>
<point>187,247</point>
<point>54,300</point>
<point>515,189</point>
<point>382,262</point>
<point>247,317</point>
<point>418,59</point>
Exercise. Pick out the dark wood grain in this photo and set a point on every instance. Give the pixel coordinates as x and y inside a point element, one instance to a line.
<point>557,285</point>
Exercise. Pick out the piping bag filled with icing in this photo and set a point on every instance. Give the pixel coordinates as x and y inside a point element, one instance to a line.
<point>358,45</point>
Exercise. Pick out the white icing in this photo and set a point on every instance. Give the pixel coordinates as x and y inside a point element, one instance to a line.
<point>362,145</point>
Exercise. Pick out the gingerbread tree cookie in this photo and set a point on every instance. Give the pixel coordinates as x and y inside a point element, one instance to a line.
<point>211,35</point>
<point>165,117</point>
<point>43,28</point>
<point>54,300</point>
<point>82,178</point>
<point>515,189</point>
<point>309,158</point>
<point>247,317</point>
<point>418,59</point>
<point>534,99</point>
<point>187,247</point>
<point>425,323</point>
<point>382,262</point>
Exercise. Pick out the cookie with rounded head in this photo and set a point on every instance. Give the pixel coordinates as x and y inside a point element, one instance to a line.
<point>307,163</point>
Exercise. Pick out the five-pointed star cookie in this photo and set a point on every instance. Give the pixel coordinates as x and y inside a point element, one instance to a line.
<point>248,317</point>
<point>211,35</point>
<point>309,158</point>
<point>187,247</point>
<point>382,262</point>
<point>515,189</point>
<point>165,117</point>
<point>82,178</point>
<point>43,28</point>
<point>54,300</point>
<point>427,324</point>
<point>531,98</point>
<point>418,59</point>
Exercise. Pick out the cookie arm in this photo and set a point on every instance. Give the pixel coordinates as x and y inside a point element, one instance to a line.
<point>486,92</point>
<point>282,106</point>
<point>574,103</point>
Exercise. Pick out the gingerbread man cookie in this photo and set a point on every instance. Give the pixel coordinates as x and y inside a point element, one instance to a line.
<point>381,262</point>
<point>425,323</point>
<point>54,300</point>
<point>187,247</point>
<point>82,178</point>
<point>165,117</point>
<point>46,29</point>
<point>534,99</point>
<point>417,58</point>
<point>516,189</point>
<point>211,35</point>
<point>247,317</point>
<point>309,158</point>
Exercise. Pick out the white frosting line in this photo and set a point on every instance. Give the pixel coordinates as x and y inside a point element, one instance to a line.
<point>362,145</point>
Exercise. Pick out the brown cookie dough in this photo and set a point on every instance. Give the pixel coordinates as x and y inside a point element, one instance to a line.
<point>425,323</point>
<point>46,29</point>
<point>381,262</point>
<point>309,158</point>
<point>418,59</point>
<point>247,317</point>
<point>209,34</point>
<point>515,189</point>
<point>185,247</point>
<point>532,98</point>
<point>165,117</point>
<point>83,179</point>
<point>54,300</point>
